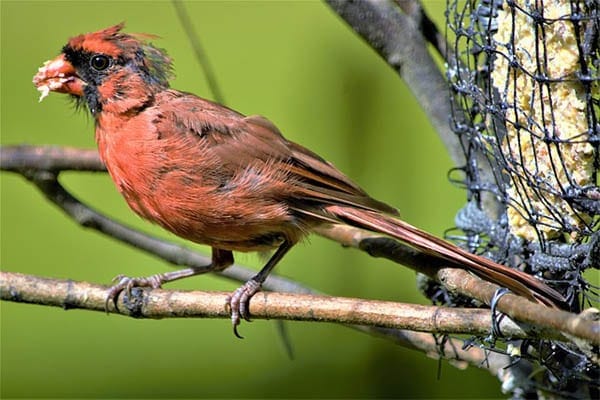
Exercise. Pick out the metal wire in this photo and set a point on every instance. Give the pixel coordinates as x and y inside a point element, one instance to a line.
<point>526,107</point>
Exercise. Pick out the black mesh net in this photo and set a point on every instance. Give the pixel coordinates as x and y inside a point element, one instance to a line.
<point>525,83</point>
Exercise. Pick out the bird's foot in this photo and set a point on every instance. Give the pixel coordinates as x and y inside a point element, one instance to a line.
<point>238,303</point>
<point>125,283</point>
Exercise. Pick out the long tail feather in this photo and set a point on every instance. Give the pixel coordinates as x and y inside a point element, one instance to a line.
<point>517,281</point>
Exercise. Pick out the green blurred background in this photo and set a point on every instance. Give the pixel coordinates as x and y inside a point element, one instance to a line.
<point>298,64</point>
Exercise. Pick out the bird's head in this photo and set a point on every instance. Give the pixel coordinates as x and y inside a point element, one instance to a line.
<point>107,70</point>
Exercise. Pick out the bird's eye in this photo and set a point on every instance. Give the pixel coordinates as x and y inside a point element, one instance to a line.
<point>99,62</point>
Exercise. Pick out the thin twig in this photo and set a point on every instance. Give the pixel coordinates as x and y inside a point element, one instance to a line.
<point>201,55</point>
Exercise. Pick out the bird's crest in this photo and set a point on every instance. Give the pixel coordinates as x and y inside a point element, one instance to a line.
<point>113,42</point>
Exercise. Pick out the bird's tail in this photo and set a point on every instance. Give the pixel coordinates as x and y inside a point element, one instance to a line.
<point>519,282</point>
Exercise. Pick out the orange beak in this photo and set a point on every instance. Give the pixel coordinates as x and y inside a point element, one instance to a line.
<point>58,75</point>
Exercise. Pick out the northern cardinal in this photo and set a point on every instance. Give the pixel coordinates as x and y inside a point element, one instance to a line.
<point>214,176</point>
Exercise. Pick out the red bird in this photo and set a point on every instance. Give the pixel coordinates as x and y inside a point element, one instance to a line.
<point>214,176</point>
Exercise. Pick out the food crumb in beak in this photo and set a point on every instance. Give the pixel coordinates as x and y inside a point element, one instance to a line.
<point>44,90</point>
<point>50,85</point>
<point>57,75</point>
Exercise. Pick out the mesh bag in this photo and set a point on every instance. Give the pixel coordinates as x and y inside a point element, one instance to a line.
<point>525,86</point>
<point>526,92</point>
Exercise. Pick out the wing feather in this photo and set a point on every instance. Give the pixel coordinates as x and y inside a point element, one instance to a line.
<point>240,142</point>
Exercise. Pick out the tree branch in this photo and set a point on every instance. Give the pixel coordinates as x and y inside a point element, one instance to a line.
<point>462,282</point>
<point>28,160</point>
<point>429,31</point>
<point>167,304</point>
<point>398,38</point>
<point>398,30</point>
<point>157,303</point>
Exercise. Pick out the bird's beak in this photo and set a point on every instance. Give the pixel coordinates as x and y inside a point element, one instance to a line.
<point>58,75</point>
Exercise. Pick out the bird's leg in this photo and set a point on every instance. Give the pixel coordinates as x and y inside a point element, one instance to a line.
<point>221,259</point>
<point>237,302</point>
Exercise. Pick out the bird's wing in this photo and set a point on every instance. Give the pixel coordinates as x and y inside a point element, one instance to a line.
<point>319,179</point>
<point>241,142</point>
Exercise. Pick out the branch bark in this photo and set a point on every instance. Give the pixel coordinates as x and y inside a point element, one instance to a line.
<point>398,30</point>
<point>397,35</point>
<point>157,303</point>
<point>28,161</point>
<point>165,304</point>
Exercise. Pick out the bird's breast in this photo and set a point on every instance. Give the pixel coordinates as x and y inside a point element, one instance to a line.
<point>176,182</point>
